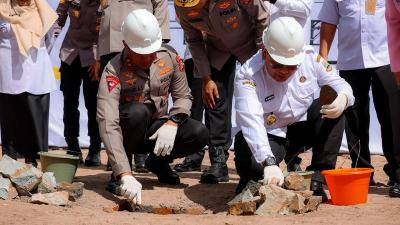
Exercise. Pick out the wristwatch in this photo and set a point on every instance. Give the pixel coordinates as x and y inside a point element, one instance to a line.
<point>269,161</point>
<point>178,119</point>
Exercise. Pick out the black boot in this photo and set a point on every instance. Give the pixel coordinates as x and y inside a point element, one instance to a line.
<point>188,165</point>
<point>93,158</point>
<point>218,171</point>
<point>394,191</point>
<point>161,168</point>
<point>140,166</point>
<point>113,186</point>
<point>73,147</point>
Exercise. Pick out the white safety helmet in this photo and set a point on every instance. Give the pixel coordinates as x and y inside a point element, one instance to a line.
<point>284,41</point>
<point>141,32</point>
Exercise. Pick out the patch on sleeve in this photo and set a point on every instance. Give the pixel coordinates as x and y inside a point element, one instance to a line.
<point>180,63</point>
<point>249,83</point>
<point>325,63</point>
<point>112,82</point>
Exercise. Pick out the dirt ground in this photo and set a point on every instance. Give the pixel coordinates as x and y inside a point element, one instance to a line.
<point>380,208</point>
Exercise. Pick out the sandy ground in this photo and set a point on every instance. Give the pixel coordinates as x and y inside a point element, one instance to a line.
<point>380,208</point>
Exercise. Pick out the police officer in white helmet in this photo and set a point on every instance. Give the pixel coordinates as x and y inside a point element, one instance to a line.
<point>132,109</point>
<point>277,111</point>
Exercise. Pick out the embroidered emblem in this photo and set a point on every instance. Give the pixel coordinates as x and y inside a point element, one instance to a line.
<point>165,71</point>
<point>302,79</point>
<point>112,82</point>
<point>249,83</point>
<point>271,119</point>
<point>180,63</point>
<point>161,64</point>
<point>130,82</point>
<point>224,5</point>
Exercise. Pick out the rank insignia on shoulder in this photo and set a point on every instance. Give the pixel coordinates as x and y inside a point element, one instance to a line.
<point>180,63</point>
<point>112,82</point>
<point>271,119</point>
<point>249,83</point>
<point>302,79</point>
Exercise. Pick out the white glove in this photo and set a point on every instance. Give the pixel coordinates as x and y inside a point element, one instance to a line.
<point>336,108</point>
<point>273,175</point>
<point>131,189</point>
<point>165,136</point>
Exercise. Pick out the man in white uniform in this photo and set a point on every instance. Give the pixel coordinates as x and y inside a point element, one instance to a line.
<point>276,110</point>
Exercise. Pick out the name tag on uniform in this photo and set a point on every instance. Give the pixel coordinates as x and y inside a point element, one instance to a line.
<point>269,98</point>
<point>370,7</point>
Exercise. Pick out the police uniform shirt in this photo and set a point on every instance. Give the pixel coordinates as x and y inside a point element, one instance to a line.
<point>83,32</point>
<point>298,9</point>
<point>362,34</point>
<point>32,73</point>
<point>167,76</point>
<point>225,28</point>
<point>264,105</point>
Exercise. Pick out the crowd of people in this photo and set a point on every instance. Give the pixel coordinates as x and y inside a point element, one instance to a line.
<point>248,52</point>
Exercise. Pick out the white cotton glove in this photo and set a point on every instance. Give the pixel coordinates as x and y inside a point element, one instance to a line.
<point>131,189</point>
<point>273,175</point>
<point>165,136</point>
<point>336,108</point>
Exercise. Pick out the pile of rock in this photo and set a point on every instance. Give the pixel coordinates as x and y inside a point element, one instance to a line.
<point>19,179</point>
<point>273,200</point>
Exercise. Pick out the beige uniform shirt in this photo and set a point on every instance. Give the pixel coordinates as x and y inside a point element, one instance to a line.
<point>83,32</point>
<point>230,27</point>
<point>115,11</point>
<point>167,76</point>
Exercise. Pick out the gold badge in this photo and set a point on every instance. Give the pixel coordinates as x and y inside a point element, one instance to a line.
<point>302,79</point>
<point>186,3</point>
<point>271,119</point>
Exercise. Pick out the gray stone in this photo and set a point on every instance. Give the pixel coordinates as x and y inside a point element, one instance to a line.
<point>245,196</point>
<point>59,198</point>
<point>75,189</point>
<point>48,183</point>
<point>253,186</point>
<point>294,181</point>
<point>9,166</point>
<point>7,190</point>
<point>312,203</point>
<point>26,179</point>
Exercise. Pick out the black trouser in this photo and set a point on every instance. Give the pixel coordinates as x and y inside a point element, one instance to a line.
<point>137,126</point>
<point>24,120</point>
<point>71,78</point>
<point>386,98</point>
<point>196,87</point>
<point>218,120</point>
<point>324,135</point>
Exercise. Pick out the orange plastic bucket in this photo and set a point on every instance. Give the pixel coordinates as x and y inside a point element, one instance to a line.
<point>348,186</point>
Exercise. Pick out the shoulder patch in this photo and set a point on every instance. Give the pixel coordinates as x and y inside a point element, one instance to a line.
<point>180,63</point>
<point>112,82</point>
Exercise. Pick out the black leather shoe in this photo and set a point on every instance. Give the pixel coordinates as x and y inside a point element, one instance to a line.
<point>188,165</point>
<point>293,167</point>
<point>394,191</point>
<point>318,190</point>
<point>241,185</point>
<point>163,171</point>
<point>140,166</point>
<point>92,159</point>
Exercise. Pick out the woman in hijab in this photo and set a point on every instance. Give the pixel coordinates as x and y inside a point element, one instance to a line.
<point>26,77</point>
